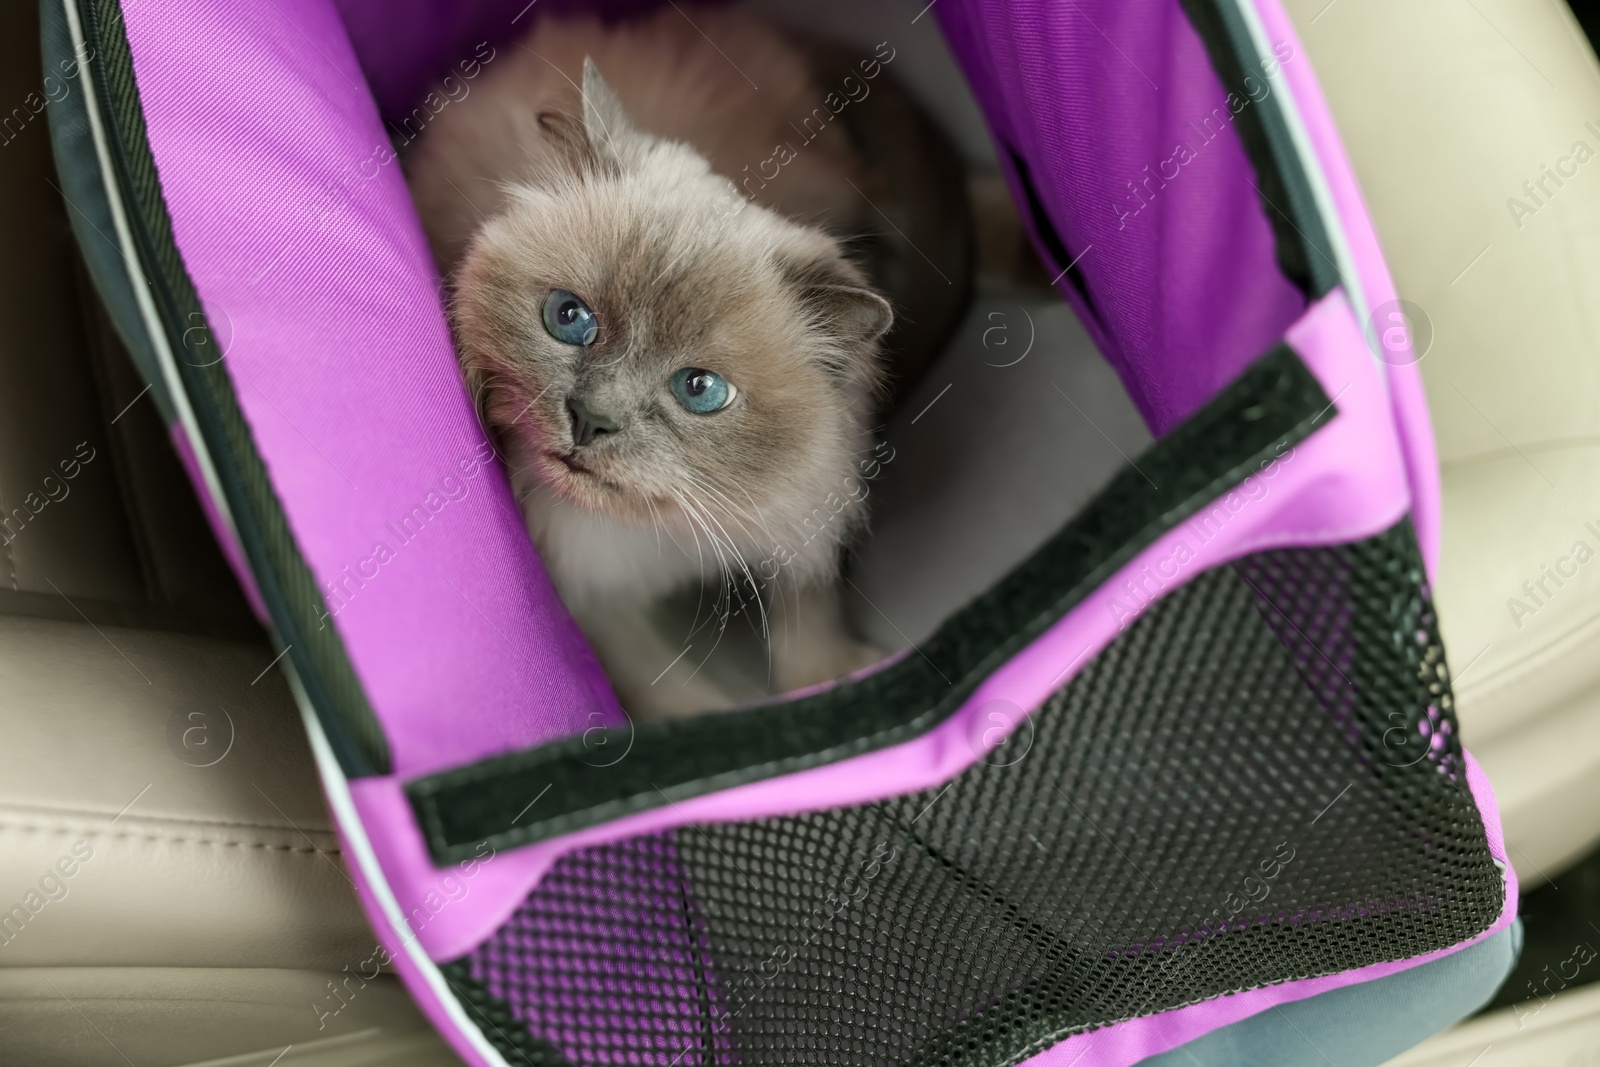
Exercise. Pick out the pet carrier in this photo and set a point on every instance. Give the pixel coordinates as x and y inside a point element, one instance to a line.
<point>1193,757</point>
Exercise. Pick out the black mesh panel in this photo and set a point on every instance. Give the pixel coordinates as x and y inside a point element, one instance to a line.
<point>1258,780</point>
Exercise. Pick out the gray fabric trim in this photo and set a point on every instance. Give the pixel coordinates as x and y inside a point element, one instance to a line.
<point>83,188</point>
<point>1360,1025</point>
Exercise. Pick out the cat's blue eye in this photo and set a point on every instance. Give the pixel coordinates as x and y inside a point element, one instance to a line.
<point>568,318</point>
<point>702,391</point>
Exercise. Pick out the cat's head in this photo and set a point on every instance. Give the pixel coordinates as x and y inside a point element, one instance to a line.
<point>648,344</point>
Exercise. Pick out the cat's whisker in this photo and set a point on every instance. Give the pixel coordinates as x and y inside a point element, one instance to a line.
<point>700,559</point>
<point>699,524</point>
<point>724,546</point>
<point>738,515</point>
<point>704,659</point>
<point>478,392</point>
<point>725,590</point>
<point>655,520</point>
<point>734,513</point>
<point>738,556</point>
<point>662,525</point>
<point>754,508</point>
<point>783,609</point>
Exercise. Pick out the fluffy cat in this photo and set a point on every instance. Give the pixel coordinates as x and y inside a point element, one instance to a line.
<point>682,379</point>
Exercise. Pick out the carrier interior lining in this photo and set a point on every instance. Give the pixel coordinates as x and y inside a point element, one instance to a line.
<point>1011,433</point>
<point>992,454</point>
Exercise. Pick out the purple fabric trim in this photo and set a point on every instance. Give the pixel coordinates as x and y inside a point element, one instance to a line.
<point>409,970</point>
<point>304,247</point>
<point>1409,401</point>
<point>1309,497</point>
<point>1178,257</point>
<point>1414,426</point>
<point>405,46</point>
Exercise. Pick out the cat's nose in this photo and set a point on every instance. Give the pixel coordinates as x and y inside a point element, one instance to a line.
<point>587,423</point>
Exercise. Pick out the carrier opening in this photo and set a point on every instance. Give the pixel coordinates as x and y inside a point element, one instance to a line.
<point>1022,466</point>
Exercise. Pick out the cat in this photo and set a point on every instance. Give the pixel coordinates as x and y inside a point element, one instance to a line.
<point>682,370</point>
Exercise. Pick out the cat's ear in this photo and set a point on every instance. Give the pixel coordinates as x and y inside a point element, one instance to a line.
<point>855,315</point>
<point>566,135</point>
<point>605,124</point>
<point>600,137</point>
<point>839,304</point>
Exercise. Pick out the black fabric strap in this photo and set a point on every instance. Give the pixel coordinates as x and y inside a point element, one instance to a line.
<point>1305,254</point>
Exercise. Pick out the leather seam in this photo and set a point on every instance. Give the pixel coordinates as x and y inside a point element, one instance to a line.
<point>1515,674</point>
<point>85,813</point>
<point>164,838</point>
<point>11,563</point>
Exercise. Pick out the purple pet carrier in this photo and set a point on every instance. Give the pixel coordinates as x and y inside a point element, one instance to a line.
<point>1243,785</point>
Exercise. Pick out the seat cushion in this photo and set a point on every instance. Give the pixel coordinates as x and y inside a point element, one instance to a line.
<point>172,776</point>
<point>211,1017</point>
<point>1447,110</point>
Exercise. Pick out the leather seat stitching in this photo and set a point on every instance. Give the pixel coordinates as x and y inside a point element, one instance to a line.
<point>165,838</point>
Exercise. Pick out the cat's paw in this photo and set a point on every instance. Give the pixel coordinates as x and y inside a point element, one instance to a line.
<point>857,656</point>
<point>808,663</point>
<point>671,698</point>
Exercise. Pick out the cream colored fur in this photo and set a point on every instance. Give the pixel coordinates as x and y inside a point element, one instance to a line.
<point>618,188</point>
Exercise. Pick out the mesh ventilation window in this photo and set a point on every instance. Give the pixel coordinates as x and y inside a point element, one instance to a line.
<point>1258,780</point>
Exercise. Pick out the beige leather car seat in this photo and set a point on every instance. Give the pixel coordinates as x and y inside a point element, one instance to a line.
<point>1451,112</point>
<point>1464,122</point>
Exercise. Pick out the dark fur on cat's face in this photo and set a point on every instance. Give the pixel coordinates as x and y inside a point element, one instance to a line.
<point>679,272</point>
